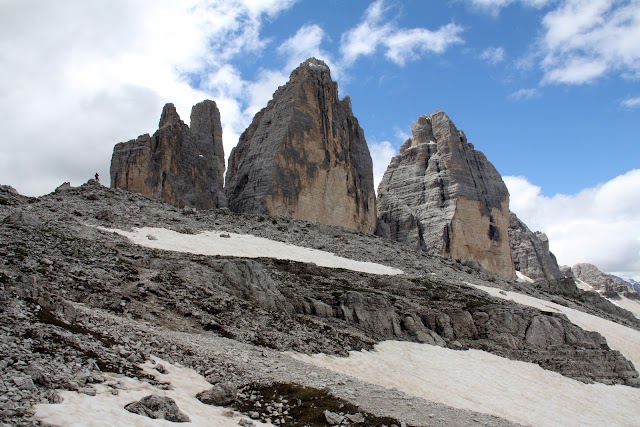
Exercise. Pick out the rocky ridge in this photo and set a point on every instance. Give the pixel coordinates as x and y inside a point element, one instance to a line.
<point>444,197</point>
<point>78,301</point>
<point>530,252</point>
<point>607,283</point>
<point>179,165</point>
<point>305,156</point>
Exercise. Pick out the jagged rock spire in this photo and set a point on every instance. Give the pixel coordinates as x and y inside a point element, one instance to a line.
<point>178,165</point>
<point>305,156</point>
<point>444,197</point>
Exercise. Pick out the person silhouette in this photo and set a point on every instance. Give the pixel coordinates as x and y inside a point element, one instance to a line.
<point>97,177</point>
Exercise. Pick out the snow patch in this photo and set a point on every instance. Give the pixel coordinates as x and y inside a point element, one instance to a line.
<point>583,285</point>
<point>245,246</point>
<point>106,409</point>
<point>628,304</point>
<point>482,382</point>
<point>522,278</point>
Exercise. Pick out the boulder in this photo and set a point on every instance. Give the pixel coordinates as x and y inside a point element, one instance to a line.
<point>444,197</point>
<point>158,407</point>
<point>305,156</point>
<point>178,165</point>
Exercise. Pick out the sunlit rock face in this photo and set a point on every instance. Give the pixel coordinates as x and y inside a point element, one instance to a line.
<point>305,156</point>
<point>444,197</point>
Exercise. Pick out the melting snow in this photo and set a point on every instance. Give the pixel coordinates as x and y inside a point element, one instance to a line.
<point>246,246</point>
<point>107,410</point>
<point>628,304</point>
<point>522,278</point>
<point>482,382</point>
<point>584,285</point>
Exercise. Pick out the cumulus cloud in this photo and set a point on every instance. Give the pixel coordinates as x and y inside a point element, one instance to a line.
<point>493,55</point>
<point>599,225</point>
<point>584,40</point>
<point>400,44</point>
<point>631,102</point>
<point>381,154</point>
<point>524,93</point>
<point>305,43</point>
<point>494,6</point>
<point>80,76</point>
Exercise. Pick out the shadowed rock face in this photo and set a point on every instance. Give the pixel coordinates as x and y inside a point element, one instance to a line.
<point>305,156</point>
<point>444,197</point>
<point>530,252</point>
<point>178,165</point>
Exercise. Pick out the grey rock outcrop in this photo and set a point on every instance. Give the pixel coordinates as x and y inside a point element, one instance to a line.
<point>530,252</point>
<point>305,156</point>
<point>444,197</point>
<point>591,275</point>
<point>9,196</point>
<point>158,407</point>
<point>179,165</point>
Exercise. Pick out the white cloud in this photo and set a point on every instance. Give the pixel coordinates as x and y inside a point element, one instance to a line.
<point>77,77</point>
<point>584,40</point>
<point>631,102</point>
<point>599,225</point>
<point>304,44</point>
<point>401,44</point>
<point>410,44</point>
<point>381,154</point>
<point>524,93</point>
<point>493,55</point>
<point>494,6</point>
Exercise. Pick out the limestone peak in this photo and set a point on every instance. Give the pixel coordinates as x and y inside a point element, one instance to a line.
<point>169,116</point>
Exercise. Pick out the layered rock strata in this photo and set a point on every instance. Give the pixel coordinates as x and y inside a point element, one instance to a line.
<point>530,252</point>
<point>598,280</point>
<point>179,165</point>
<point>305,156</point>
<point>444,197</point>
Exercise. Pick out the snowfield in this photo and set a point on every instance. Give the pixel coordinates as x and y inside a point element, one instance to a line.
<point>473,380</point>
<point>628,304</point>
<point>245,246</point>
<point>107,410</point>
<point>479,381</point>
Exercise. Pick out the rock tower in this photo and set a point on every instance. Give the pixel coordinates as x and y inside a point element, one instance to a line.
<point>179,165</point>
<point>305,156</point>
<point>444,197</point>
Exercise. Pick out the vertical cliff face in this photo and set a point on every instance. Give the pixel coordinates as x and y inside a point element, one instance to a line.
<point>305,156</point>
<point>444,197</point>
<point>530,252</point>
<point>178,165</point>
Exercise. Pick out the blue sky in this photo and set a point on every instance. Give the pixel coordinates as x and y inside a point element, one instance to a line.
<point>547,89</point>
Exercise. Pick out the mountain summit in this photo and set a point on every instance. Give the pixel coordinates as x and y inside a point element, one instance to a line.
<point>444,197</point>
<point>305,156</point>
